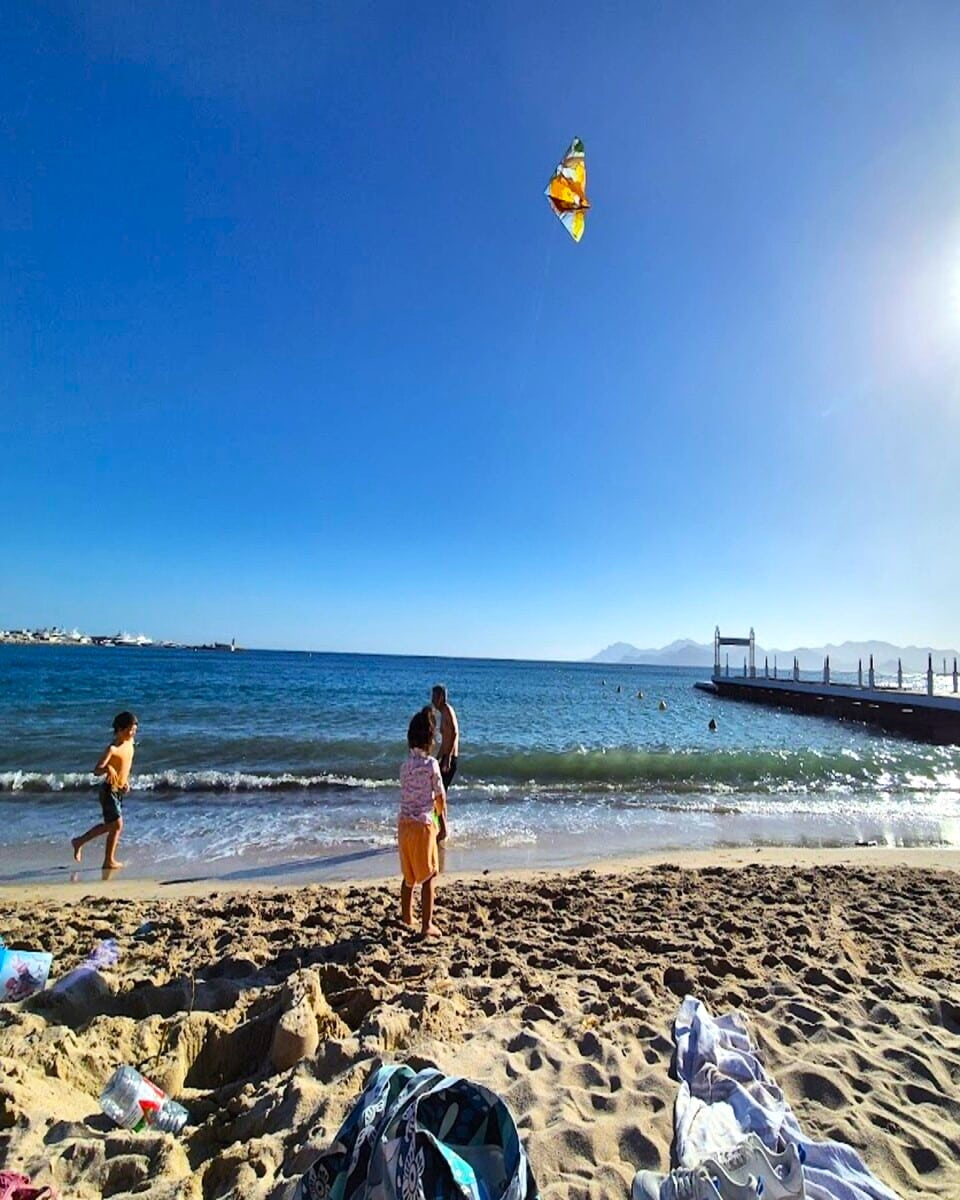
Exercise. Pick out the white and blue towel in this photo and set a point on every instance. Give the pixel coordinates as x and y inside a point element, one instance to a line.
<point>725,1094</point>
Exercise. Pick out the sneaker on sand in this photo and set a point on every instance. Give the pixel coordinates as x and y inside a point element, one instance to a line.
<point>682,1184</point>
<point>764,1172</point>
<point>745,1172</point>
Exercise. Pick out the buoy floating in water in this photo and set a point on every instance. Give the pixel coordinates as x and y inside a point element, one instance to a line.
<point>639,695</point>
<point>713,725</point>
<point>662,706</point>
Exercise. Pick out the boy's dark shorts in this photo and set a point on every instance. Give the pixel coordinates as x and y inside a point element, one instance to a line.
<point>111,803</point>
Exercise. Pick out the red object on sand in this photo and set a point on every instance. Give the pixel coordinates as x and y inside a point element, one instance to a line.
<point>14,1186</point>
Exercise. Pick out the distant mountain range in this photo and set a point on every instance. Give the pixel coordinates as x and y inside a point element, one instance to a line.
<point>687,653</point>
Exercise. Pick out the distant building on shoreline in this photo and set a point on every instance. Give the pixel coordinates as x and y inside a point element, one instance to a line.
<point>73,637</point>
<point>48,637</point>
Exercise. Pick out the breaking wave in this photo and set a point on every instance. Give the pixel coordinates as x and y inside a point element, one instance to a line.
<point>189,781</point>
<point>887,768</point>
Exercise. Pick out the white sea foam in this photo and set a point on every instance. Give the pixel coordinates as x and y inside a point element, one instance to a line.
<point>36,781</point>
<point>189,781</point>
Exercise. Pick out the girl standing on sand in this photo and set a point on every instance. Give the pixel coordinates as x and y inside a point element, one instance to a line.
<point>422,798</point>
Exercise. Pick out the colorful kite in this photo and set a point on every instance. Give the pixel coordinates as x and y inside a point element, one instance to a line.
<point>567,190</point>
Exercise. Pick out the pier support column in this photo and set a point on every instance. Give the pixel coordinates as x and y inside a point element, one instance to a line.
<point>859,672</point>
<point>796,669</point>
<point>826,669</point>
<point>899,673</point>
<point>954,674</point>
<point>774,666</point>
<point>766,666</point>
<point>870,676</point>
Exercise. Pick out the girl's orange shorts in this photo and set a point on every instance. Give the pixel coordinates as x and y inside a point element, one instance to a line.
<point>419,859</point>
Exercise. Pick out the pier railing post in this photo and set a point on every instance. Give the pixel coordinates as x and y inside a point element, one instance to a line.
<point>929,674</point>
<point>716,652</point>
<point>955,675</point>
<point>899,673</point>
<point>870,675</point>
<point>753,660</point>
<point>796,669</point>
<point>859,672</point>
<point>826,669</point>
<point>766,666</point>
<point>744,668</point>
<point>774,666</point>
<point>728,666</point>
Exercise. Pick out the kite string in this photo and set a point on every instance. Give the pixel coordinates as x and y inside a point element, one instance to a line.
<point>534,327</point>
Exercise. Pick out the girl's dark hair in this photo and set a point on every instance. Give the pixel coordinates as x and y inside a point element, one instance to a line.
<point>123,721</point>
<point>421,730</point>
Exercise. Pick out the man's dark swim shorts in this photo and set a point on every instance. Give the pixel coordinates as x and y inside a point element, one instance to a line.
<point>447,772</point>
<point>111,803</point>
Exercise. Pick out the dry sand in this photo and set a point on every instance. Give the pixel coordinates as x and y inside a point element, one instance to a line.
<point>557,990</point>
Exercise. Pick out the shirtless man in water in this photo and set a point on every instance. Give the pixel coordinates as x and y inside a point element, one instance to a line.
<point>449,742</point>
<point>114,765</point>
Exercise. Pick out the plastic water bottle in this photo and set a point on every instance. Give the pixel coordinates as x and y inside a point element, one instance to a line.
<point>133,1102</point>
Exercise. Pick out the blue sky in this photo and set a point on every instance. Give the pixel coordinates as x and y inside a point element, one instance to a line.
<point>293,350</point>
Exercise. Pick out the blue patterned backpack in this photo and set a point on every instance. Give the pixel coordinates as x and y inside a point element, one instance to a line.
<point>423,1136</point>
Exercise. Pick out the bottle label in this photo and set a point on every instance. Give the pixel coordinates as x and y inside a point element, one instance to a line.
<point>149,1109</point>
<point>149,1100</point>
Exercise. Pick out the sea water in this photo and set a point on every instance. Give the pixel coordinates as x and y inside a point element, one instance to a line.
<point>259,759</point>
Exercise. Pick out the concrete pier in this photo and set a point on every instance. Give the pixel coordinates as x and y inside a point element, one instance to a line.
<point>921,715</point>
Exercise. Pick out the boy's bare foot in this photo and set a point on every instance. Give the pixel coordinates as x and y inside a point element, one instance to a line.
<point>111,866</point>
<point>432,931</point>
<point>77,848</point>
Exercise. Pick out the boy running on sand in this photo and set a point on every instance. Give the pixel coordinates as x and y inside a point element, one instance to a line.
<point>421,796</point>
<point>114,765</point>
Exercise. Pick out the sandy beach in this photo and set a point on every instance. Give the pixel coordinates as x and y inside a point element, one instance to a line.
<point>558,990</point>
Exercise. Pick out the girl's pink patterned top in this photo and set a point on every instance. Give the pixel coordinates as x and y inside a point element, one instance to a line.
<point>420,784</point>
